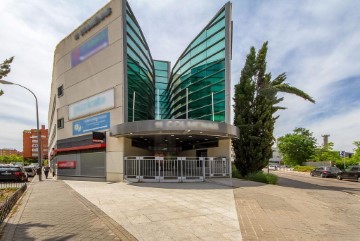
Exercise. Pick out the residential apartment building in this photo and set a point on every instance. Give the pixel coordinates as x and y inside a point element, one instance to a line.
<point>8,152</point>
<point>30,143</point>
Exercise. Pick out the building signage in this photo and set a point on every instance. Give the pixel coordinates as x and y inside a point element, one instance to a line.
<point>90,47</point>
<point>95,21</point>
<point>93,104</point>
<point>94,123</point>
<point>186,125</point>
<point>66,164</point>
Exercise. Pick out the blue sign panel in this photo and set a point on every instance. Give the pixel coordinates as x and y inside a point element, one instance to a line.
<point>94,123</point>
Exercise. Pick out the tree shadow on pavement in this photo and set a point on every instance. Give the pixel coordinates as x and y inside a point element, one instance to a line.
<point>22,232</point>
<point>287,182</point>
<point>61,238</point>
<point>209,183</point>
<point>183,185</point>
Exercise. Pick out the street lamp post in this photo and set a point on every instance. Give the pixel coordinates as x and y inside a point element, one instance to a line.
<point>37,124</point>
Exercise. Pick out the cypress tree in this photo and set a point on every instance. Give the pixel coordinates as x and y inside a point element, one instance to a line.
<point>255,105</point>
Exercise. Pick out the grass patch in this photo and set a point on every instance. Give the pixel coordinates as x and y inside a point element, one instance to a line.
<point>6,193</point>
<point>256,177</point>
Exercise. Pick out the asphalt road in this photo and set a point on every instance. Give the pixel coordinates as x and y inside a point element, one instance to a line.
<point>305,181</point>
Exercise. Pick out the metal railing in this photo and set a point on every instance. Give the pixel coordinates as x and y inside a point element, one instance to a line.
<point>11,185</point>
<point>178,169</point>
<point>6,207</point>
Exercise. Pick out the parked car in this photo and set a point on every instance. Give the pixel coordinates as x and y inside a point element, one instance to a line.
<point>325,171</point>
<point>13,173</point>
<point>273,167</point>
<point>31,171</point>
<point>352,173</point>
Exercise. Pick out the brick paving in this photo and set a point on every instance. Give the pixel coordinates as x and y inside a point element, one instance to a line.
<point>214,210</point>
<point>51,210</point>
<point>300,212</point>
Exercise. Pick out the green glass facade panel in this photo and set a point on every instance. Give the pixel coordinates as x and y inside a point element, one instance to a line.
<point>133,38</point>
<point>216,38</point>
<point>161,65</point>
<point>162,72</point>
<point>217,26</point>
<point>219,17</point>
<point>197,83</point>
<point>132,25</point>
<point>140,72</point>
<point>200,73</point>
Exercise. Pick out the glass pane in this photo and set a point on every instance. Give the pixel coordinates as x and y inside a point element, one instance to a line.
<point>216,27</point>
<point>160,64</point>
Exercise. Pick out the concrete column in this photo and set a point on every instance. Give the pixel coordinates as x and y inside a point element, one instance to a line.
<point>114,158</point>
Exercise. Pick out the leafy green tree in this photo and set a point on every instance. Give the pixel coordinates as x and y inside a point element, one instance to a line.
<point>326,153</point>
<point>11,159</point>
<point>297,147</point>
<point>5,70</point>
<point>356,156</point>
<point>255,105</point>
<point>347,161</point>
<point>350,161</point>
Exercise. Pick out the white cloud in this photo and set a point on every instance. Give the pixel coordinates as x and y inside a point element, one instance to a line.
<point>316,43</point>
<point>30,32</point>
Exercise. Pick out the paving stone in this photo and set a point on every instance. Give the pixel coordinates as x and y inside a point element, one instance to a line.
<point>51,210</point>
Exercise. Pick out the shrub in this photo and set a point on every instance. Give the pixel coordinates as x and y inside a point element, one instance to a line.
<point>262,177</point>
<point>303,168</point>
<point>235,172</point>
<point>348,162</point>
<point>256,177</point>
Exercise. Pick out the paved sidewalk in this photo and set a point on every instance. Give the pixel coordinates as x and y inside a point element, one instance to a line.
<point>213,210</point>
<point>167,211</point>
<point>51,210</point>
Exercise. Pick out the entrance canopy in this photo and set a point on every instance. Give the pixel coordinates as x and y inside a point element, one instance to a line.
<point>189,134</point>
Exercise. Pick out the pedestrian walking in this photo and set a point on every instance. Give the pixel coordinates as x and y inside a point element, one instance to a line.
<point>46,171</point>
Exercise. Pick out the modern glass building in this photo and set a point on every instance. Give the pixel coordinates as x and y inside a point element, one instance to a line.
<point>198,87</point>
<point>140,72</point>
<point>162,71</point>
<point>112,105</point>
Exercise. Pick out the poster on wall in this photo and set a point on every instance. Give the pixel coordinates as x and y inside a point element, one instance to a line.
<point>94,123</point>
<point>90,47</point>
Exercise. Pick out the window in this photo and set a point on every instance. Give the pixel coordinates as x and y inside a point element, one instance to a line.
<point>60,123</point>
<point>60,91</point>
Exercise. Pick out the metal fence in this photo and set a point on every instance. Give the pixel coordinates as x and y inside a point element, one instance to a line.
<point>174,169</point>
<point>11,185</point>
<point>6,207</point>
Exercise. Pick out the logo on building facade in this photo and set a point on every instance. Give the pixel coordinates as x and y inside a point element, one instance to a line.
<point>91,105</point>
<point>95,21</point>
<point>91,124</point>
<point>90,47</point>
<point>66,164</point>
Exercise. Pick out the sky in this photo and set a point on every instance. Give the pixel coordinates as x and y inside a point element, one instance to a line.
<point>317,43</point>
